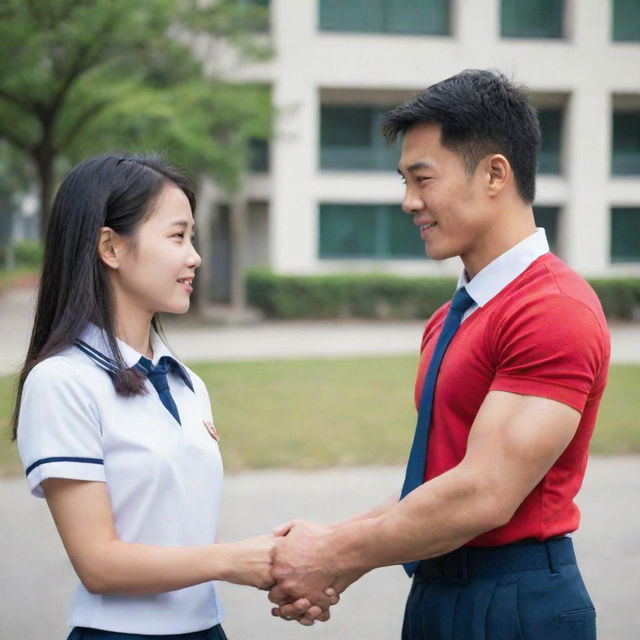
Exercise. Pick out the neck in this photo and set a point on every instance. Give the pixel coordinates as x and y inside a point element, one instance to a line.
<point>134,328</point>
<point>512,227</point>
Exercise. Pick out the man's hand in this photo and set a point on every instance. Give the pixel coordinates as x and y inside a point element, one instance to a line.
<point>307,572</point>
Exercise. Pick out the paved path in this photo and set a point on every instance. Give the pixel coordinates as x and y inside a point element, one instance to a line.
<point>36,580</point>
<point>271,339</point>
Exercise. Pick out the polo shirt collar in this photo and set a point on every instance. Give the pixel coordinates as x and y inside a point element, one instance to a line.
<point>505,268</point>
<point>93,342</point>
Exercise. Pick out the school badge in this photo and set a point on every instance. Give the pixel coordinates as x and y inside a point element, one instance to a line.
<point>208,425</point>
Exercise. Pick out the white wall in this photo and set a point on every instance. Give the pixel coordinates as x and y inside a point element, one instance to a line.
<point>587,67</point>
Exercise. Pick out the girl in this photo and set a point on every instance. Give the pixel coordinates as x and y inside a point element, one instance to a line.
<point>112,430</point>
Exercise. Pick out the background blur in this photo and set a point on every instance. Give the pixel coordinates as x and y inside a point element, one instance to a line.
<point>273,107</point>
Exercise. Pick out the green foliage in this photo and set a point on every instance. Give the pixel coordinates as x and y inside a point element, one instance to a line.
<point>386,296</point>
<point>78,78</point>
<point>620,297</point>
<point>28,254</point>
<point>346,295</point>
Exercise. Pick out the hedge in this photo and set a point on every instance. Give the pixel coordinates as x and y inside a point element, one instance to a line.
<point>392,297</point>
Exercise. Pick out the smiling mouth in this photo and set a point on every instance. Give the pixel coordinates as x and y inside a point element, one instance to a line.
<point>188,281</point>
<point>424,227</point>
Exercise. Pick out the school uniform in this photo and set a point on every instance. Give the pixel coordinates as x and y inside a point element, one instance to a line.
<point>531,326</point>
<point>161,464</point>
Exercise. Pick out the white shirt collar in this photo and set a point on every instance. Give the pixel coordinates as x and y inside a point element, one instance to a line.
<point>505,268</point>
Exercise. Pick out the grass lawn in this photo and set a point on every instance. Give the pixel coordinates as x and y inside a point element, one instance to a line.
<point>355,411</point>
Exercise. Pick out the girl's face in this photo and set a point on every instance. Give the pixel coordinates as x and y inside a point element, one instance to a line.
<point>156,267</point>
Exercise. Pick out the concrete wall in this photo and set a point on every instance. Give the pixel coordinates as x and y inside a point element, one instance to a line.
<point>588,71</point>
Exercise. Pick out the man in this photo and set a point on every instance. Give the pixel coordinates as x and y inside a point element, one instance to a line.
<point>515,368</point>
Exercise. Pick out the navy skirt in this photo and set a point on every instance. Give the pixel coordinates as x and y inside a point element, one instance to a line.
<point>84,633</point>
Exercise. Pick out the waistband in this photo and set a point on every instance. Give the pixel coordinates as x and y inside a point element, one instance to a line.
<point>475,562</point>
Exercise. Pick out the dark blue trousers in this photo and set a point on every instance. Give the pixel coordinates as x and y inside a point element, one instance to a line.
<point>83,633</point>
<point>529,591</point>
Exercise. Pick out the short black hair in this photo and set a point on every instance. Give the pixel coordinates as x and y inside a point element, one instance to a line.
<point>480,112</point>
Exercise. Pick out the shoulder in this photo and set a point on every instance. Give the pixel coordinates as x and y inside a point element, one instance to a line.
<point>65,373</point>
<point>551,294</point>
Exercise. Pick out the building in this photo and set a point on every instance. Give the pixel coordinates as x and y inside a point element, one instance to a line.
<point>326,197</point>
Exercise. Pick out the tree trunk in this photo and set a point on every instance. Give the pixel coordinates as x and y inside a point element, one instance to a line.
<point>44,164</point>
<point>239,232</point>
<point>204,275</point>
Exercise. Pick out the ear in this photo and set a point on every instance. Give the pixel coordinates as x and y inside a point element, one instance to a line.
<point>107,247</point>
<point>499,173</point>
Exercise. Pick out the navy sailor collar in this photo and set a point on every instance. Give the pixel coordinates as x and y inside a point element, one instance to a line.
<point>93,342</point>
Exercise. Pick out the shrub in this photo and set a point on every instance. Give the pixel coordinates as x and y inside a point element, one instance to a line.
<point>393,297</point>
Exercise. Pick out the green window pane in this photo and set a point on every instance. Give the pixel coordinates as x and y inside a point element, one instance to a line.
<point>547,217</point>
<point>350,139</point>
<point>626,144</point>
<point>347,231</point>
<point>426,17</point>
<point>625,234</point>
<point>551,125</point>
<point>258,153</point>
<point>532,18</point>
<point>626,20</point>
<point>353,15</point>
<point>404,236</point>
<point>345,126</point>
<point>368,231</point>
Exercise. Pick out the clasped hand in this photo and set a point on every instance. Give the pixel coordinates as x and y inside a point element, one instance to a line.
<point>307,577</point>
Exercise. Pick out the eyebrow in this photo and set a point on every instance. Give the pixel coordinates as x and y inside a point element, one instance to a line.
<point>179,223</point>
<point>421,164</point>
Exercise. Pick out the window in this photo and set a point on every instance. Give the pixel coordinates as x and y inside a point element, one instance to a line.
<point>547,217</point>
<point>625,234</point>
<point>626,20</point>
<point>626,143</point>
<point>350,139</point>
<point>423,17</point>
<point>258,155</point>
<point>532,18</point>
<point>551,125</point>
<point>368,231</point>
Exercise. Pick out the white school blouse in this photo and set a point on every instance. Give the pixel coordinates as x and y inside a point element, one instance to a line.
<point>164,478</point>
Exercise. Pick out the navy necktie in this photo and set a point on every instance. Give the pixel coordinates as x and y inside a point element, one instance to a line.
<point>158,377</point>
<point>414,475</point>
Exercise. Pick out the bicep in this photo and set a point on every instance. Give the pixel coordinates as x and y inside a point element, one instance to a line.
<point>514,441</point>
<point>83,516</point>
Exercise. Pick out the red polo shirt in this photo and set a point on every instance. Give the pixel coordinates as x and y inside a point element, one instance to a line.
<point>544,334</point>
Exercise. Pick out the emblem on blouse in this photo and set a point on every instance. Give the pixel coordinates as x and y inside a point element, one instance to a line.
<point>208,425</point>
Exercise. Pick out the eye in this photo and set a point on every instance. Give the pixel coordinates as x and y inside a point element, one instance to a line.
<point>179,234</point>
<point>420,179</point>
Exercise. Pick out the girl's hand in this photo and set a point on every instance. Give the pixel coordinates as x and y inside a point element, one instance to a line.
<point>249,562</point>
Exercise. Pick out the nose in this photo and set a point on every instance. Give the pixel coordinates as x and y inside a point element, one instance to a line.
<point>194,258</point>
<point>412,202</point>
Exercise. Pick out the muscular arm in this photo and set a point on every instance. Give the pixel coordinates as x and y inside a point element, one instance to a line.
<point>514,440</point>
<point>82,513</point>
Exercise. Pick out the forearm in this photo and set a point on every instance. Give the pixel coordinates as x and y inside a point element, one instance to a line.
<point>376,512</point>
<point>129,568</point>
<point>436,518</point>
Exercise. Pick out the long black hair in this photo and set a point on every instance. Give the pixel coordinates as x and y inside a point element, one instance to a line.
<point>111,190</point>
<point>480,112</point>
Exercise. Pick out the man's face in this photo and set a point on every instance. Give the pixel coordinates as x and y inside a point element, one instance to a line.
<point>450,208</point>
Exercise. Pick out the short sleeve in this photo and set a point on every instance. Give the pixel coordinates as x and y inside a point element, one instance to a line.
<point>554,348</point>
<point>59,432</point>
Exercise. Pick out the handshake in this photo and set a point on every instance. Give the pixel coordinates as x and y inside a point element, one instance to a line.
<point>300,567</point>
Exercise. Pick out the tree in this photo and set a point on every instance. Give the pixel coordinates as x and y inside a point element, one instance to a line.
<point>82,76</point>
